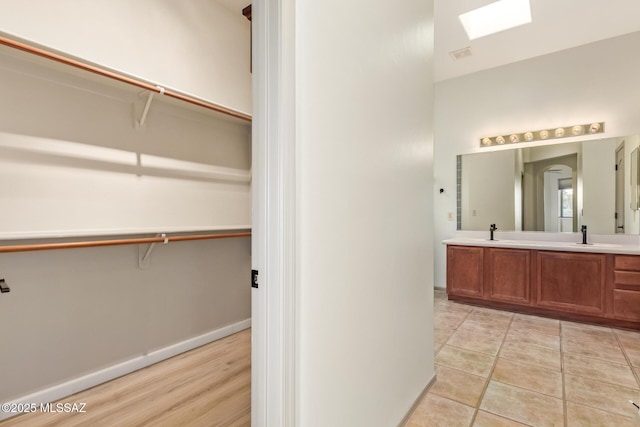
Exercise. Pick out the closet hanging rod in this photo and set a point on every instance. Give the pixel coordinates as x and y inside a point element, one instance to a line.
<point>120,77</point>
<point>114,242</point>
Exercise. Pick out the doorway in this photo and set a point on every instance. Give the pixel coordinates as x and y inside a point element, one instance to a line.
<point>550,196</point>
<point>561,189</point>
<point>619,215</point>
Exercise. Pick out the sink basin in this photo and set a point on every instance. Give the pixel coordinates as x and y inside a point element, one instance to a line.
<point>600,245</point>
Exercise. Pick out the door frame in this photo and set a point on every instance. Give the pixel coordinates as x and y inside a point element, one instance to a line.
<point>274,223</point>
<point>619,186</point>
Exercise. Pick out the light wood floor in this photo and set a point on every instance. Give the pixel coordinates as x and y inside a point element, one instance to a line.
<point>209,386</point>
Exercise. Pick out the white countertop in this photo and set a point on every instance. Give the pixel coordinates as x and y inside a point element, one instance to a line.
<point>565,242</point>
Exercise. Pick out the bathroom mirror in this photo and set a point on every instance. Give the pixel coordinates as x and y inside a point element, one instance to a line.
<point>553,188</point>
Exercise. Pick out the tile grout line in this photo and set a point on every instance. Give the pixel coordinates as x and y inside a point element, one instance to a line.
<point>493,367</point>
<point>563,328</point>
<point>440,349</point>
<point>443,345</point>
<point>626,357</point>
<point>624,353</point>
<point>454,329</point>
<point>563,353</point>
<point>562,372</point>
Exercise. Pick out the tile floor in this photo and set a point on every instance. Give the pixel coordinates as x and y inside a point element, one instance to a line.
<point>496,368</point>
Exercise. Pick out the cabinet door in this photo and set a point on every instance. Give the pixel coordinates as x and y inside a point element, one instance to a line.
<point>509,273</point>
<point>465,270</point>
<point>571,282</point>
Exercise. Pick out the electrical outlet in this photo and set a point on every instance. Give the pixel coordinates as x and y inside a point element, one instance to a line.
<point>474,213</point>
<point>450,216</point>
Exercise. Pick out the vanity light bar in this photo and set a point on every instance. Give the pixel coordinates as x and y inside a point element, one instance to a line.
<point>543,135</point>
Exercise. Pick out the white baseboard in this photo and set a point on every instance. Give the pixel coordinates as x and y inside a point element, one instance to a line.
<point>75,385</point>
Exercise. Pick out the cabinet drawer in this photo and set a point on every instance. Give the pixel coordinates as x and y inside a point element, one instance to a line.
<point>627,262</point>
<point>626,304</point>
<point>628,278</point>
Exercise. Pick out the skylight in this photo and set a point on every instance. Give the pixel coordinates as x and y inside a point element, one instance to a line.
<point>495,17</point>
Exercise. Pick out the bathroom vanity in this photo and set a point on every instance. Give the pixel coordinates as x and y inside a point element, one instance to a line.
<point>597,283</point>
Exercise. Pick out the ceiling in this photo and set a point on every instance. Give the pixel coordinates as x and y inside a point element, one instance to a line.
<point>557,25</point>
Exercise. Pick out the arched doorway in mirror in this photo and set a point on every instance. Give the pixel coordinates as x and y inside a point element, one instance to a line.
<point>550,194</point>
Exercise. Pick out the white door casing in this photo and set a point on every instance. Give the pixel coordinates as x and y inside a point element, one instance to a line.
<point>273,215</point>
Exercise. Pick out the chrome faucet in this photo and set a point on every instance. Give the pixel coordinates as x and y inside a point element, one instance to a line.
<point>584,234</point>
<point>492,228</point>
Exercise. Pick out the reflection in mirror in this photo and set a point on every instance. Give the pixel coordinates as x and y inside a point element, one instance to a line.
<point>553,188</point>
<point>541,191</point>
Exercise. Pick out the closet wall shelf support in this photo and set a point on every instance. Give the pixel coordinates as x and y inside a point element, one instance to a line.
<point>143,259</point>
<point>147,106</point>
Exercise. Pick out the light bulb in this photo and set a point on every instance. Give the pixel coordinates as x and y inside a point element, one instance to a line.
<point>528,136</point>
<point>500,140</point>
<point>559,133</point>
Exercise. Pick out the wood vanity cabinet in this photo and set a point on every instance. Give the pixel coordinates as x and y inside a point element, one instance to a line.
<point>595,287</point>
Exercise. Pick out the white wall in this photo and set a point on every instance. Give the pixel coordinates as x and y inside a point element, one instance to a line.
<point>365,248</point>
<point>194,46</point>
<point>488,195</point>
<point>599,204</point>
<point>74,312</point>
<point>69,147</point>
<point>597,82</point>
<point>77,311</point>
<point>535,154</point>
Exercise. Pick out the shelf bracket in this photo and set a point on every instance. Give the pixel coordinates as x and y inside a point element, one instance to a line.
<point>144,256</point>
<point>145,112</point>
